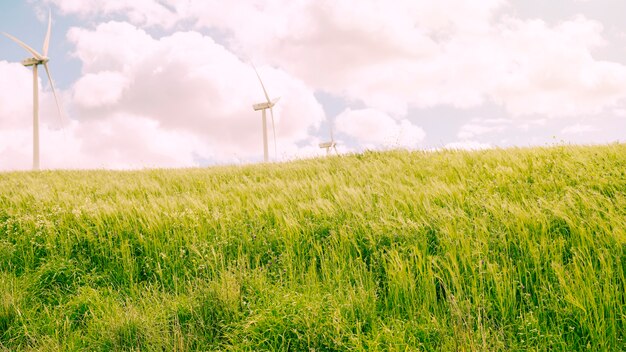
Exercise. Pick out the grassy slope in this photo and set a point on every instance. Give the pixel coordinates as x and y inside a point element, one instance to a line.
<point>494,250</point>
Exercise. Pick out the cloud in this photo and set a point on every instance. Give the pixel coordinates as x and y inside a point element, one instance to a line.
<point>100,144</point>
<point>620,112</point>
<point>15,98</point>
<point>478,127</point>
<point>173,101</point>
<point>400,55</point>
<point>552,70</point>
<point>372,128</point>
<point>388,56</point>
<point>117,141</point>
<point>139,12</point>
<point>187,81</point>
<point>100,89</point>
<point>579,129</point>
<point>419,54</point>
<point>467,145</point>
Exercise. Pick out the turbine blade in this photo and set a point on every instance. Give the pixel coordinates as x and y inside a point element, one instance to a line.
<point>332,138</point>
<point>262,85</point>
<point>274,132</point>
<point>56,99</point>
<point>25,46</point>
<point>46,42</point>
<point>275,101</point>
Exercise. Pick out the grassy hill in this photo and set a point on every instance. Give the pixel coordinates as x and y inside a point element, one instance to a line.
<point>519,249</point>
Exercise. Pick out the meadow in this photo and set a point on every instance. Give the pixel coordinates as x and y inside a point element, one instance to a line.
<point>498,250</point>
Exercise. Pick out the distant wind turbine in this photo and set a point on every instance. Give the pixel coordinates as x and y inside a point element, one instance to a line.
<point>35,61</point>
<point>269,104</point>
<point>330,145</point>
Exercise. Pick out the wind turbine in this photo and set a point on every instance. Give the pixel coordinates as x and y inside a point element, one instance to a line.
<point>35,61</point>
<point>269,104</point>
<point>330,145</point>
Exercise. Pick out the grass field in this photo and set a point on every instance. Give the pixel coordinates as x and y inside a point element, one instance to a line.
<point>519,249</point>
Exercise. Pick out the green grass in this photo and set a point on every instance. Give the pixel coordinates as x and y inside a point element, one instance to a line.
<point>502,250</point>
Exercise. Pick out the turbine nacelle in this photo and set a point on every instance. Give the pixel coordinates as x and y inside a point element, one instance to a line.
<point>328,145</point>
<point>265,105</point>
<point>32,61</point>
<point>262,106</point>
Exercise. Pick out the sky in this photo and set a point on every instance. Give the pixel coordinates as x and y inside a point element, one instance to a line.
<point>170,83</point>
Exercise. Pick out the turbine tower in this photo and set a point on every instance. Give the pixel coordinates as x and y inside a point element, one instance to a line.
<point>330,145</point>
<point>269,104</point>
<point>35,61</point>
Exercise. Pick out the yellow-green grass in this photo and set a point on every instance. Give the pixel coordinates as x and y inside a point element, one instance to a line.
<point>516,249</point>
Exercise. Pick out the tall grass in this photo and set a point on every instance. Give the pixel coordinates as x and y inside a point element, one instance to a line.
<point>518,249</point>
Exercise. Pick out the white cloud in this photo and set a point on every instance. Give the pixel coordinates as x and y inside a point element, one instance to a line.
<point>472,130</point>
<point>528,124</point>
<point>15,98</point>
<point>579,129</point>
<point>553,72</point>
<point>372,128</point>
<point>162,102</point>
<point>189,83</point>
<point>139,12</point>
<point>100,144</point>
<point>387,57</point>
<point>620,112</point>
<point>113,46</point>
<point>95,90</point>
<point>482,126</point>
<point>393,56</point>
<point>420,54</point>
<point>390,56</point>
<point>467,145</point>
